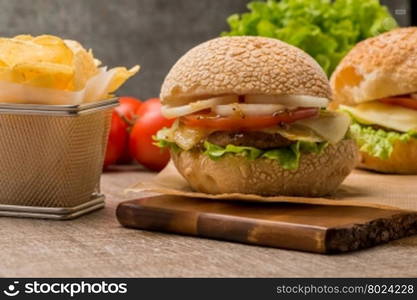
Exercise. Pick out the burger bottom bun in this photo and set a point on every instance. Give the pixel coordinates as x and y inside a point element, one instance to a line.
<point>403,159</point>
<point>317,175</point>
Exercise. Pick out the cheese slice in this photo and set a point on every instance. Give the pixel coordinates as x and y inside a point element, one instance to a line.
<point>389,116</point>
<point>328,127</point>
<point>188,137</point>
<point>296,132</point>
<point>331,126</point>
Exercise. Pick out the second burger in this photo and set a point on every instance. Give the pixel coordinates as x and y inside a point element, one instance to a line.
<point>252,119</point>
<point>376,83</point>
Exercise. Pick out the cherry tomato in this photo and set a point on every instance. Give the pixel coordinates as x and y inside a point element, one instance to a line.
<point>118,138</point>
<point>247,122</point>
<point>127,110</point>
<point>401,101</point>
<point>148,123</point>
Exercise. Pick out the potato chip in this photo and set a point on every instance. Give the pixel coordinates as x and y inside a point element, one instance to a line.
<point>74,45</point>
<point>56,48</point>
<point>84,64</point>
<point>97,62</point>
<point>48,61</point>
<point>40,49</point>
<point>23,37</point>
<point>120,76</point>
<point>45,74</point>
<point>8,74</point>
<point>13,52</point>
<point>85,68</point>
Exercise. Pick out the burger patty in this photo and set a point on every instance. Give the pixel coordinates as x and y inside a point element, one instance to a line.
<point>257,139</point>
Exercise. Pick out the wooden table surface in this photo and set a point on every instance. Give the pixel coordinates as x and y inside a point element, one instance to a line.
<point>97,246</point>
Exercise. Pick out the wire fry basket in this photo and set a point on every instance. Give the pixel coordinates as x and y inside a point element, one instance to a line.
<point>51,158</point>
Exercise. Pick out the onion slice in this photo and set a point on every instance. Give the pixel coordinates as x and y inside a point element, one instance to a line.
<point>288,100</point>
<point>240,109</point>
<point>254,105</point>
<point>178,111</point>
<point>332,126</point>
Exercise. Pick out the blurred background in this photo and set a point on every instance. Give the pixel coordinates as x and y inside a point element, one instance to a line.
<point>152,33</point>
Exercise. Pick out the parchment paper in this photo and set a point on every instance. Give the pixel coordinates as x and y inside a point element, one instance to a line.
<point>361,188</point>
<point>94,90</point>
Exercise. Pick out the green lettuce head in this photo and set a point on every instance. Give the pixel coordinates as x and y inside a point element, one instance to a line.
<point>325,29</point>
<point>287,157</point>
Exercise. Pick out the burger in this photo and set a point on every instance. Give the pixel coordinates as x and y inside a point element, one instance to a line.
<point>252,118</point>
<point>376,83</point>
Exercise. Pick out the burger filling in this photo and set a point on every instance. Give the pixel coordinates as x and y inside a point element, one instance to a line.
<point>256,139</point>
<point>280,128</point>
<point>378,125</point>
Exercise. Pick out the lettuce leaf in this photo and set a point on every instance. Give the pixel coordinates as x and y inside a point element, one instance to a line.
<point>287,157</point>
<point>215,152</point>
<point>378,142</point>
<point>162,143</point>
<point>325,29</point>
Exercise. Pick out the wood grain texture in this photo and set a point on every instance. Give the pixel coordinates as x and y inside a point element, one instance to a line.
<point>312,228</point>
<point>98,246</point>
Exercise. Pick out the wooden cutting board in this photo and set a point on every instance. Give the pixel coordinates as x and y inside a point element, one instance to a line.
<point>313,228</point>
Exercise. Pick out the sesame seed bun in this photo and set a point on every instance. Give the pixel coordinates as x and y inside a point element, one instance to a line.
<point>243,65</point>
<point>403,159</point>
<point>379,67</point>
<point>317,175</point>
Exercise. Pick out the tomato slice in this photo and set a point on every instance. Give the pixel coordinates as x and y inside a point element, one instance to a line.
<point>248,122</point>
<point>401,101</point>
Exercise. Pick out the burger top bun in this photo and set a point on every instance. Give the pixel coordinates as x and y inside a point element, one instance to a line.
<point>379,67</point>
<point>243,65</point>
